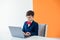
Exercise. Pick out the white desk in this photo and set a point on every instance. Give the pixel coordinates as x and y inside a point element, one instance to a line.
<point>30,38</point>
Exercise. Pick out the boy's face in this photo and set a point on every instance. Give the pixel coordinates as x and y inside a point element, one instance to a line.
<point>30,18</point>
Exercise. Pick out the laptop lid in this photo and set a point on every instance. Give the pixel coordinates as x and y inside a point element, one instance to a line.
<point>16,31</point>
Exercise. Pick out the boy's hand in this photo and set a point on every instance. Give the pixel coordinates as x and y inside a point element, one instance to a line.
<point>27,34</point>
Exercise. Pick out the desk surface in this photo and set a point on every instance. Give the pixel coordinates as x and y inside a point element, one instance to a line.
<point>30,38</point>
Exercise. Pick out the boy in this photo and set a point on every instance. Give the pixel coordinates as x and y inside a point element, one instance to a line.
<point>30,27</point>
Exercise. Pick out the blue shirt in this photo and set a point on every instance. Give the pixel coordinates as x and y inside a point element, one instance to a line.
<point>33,28</point>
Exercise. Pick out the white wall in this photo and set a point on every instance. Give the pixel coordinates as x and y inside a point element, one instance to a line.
<point>17,10</point>
<point>12,13</point>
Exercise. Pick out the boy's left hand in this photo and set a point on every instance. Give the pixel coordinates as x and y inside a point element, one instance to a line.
<point>28,33</point>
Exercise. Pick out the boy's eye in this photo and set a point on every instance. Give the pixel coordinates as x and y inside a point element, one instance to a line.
<point>29,17</point>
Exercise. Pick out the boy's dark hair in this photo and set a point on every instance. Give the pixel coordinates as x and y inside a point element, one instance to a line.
<point>30,12</point>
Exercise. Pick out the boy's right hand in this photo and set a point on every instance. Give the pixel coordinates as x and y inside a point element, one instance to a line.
<point>27,34</point>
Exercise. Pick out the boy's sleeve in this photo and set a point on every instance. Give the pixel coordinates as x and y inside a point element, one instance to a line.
<point>23,27</point>
<point>35,30</point>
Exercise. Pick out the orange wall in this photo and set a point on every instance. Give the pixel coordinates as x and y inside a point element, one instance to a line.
<point>48,12</point>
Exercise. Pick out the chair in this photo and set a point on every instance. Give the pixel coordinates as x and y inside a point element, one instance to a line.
<point>42,30</point>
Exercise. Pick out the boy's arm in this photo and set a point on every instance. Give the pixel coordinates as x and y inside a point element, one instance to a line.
<point>35,29</point>
<point>23,28</point>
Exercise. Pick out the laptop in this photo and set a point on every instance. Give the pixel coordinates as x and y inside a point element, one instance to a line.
<point>16,32</point>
